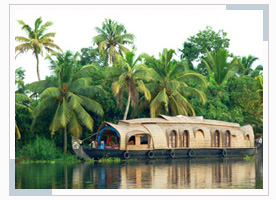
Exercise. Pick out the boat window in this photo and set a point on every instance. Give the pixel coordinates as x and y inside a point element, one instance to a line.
<point>185,139</point>
<point>216,139</point>
<point>173,139</point>
<point>247,138</point>
<point>131,140</point>
<point>227,141</point>
<point>144,139</point>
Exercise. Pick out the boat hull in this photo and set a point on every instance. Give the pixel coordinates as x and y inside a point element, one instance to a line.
<point>169,153</point>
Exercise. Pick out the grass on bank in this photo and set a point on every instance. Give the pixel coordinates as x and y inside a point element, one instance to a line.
<point>248,157</point>
<point>42,150</point>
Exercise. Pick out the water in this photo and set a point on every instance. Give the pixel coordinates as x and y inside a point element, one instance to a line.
<point>161,174</point>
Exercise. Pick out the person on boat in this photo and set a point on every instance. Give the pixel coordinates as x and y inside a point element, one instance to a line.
<point>259,141</point>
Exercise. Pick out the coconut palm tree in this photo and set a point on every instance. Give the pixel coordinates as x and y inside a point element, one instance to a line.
<point>70,94</point>
<point>21,101</point>
<point>218,66</point>
<point>170,87</point>
<point>111,40</point>
<point>246,64</point>
<point>130,75</point>
<point>36,40</point>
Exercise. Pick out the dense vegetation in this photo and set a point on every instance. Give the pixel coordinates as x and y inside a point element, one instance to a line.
<point>108,82</point>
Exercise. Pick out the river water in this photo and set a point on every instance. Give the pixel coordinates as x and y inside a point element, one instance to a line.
<point>159,174</point>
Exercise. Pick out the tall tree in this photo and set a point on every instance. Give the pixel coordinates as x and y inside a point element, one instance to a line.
<point>91,55</point>
<point>69,92</point>
<point>130,75</point>
<point>36,40</point>
<point>196,46</point>
<point>171,85</point>
<point>112,39</point>
<point>217,65</point>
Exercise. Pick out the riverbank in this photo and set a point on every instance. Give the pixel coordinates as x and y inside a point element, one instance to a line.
<point>69,158</point>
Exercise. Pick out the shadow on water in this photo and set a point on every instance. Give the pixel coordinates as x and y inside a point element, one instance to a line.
<point>155,174</point>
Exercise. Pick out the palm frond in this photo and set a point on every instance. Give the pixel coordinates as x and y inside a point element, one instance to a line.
<point>21,39</point>
<point>84,118</point>
<point>142,88</point>
<point>40,86</point>
<point>45,104</point>
<point>195,76</point>
<point>92,91</point>
<point>160,99</point>
<point>185,104</point>
<point>19,97</point>
<point>65,113</point>
<point>55,123</point>
<point>22,48</point>
<point>74,126</point>
<point>92,105</point>
<point>86,71</point>
<point>51,92</point>
<point>48,35</point>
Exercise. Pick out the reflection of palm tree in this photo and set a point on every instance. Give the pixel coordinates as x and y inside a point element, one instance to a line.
<point>20,101</point>
<point>130,75</point>
<point>36,40</point>
<point>111,39</point>
<point>170,85</point>
<point>217,65</point>
<point>70,94</point>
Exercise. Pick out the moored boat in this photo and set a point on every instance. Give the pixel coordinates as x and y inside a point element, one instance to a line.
<point>168,137</point>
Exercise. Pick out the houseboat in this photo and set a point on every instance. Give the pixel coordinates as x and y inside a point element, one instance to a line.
<point>168,137</point>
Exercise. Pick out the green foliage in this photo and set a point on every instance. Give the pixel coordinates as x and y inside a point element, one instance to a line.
<point>19,80</point>
<point>40,149</point>
<point>111,40</point>
<point>109,160</point>
<point>69,92</point>
<point>246,64</point>
<point>170,87</point>
<point>91,55</point>
<point>249,158</point>
<point>83,91</point>
<point>247,100</point>
<point>129,75</point>
<point>36,40</point>
<point>218,66</point>
<point>197,44</point>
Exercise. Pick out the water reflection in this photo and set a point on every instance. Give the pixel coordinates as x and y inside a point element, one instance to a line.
<point>162,174</point>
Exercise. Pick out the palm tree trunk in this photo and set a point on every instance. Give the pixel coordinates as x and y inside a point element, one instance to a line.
<point>65,141</point>
<point>37,66</point>
<point>128,103</point>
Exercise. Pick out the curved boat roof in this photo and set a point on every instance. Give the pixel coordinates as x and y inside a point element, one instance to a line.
<point>180,119</point>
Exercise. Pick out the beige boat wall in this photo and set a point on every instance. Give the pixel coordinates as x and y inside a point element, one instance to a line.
<point>200,132</point>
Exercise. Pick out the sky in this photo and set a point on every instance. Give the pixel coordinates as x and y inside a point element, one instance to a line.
<point>155,28</point>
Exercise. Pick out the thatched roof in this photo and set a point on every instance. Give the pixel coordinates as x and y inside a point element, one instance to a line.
<point>159,128</point>
<point>180,119</point>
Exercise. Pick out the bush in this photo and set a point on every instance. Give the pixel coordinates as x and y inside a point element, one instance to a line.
<point>41,149</point>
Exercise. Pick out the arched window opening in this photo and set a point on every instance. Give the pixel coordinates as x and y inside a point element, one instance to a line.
<point>247,138</point>
<point>199,140</point>
<point>131,140</point>
<point>108,138</point>
<point>216,139</point>
<point>173,139</point>
<point>227,141</point>
<point>185,139</point>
